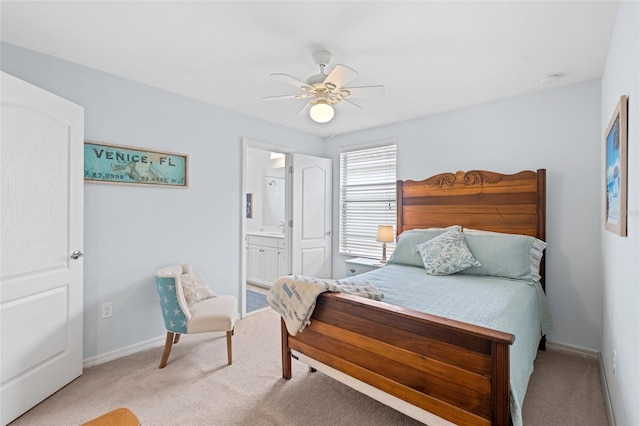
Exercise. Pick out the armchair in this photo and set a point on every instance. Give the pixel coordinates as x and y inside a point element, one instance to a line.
<point>189,309</point>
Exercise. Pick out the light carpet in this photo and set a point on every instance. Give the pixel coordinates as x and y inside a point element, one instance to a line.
<point>198,388</point>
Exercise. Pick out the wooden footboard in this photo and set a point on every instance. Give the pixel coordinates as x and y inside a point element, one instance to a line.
<point>454,370</point>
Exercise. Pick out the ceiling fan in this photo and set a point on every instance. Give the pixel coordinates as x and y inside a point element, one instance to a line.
<point>325,91</point>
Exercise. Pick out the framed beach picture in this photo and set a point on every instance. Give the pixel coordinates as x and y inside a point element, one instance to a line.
<point>616,170</point>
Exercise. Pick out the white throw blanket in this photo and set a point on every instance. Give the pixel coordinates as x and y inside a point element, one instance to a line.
<point>294,297</point>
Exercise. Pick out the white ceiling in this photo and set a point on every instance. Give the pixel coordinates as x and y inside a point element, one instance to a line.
<point>431,56</point>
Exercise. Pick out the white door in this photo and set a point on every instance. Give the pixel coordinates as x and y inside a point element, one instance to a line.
<point>41,160</point>
<point>311,214</point>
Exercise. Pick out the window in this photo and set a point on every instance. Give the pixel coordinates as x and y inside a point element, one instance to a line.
<point>367,199</point>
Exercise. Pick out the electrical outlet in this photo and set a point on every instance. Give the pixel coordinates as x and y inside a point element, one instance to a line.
<point>106,310</point>
<point>613,363</point>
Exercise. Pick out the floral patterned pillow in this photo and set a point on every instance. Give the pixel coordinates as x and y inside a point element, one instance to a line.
<point>446,254</point>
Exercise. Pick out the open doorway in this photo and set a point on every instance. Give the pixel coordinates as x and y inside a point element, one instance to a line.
<point>265,236</point>
<point>287,224</point>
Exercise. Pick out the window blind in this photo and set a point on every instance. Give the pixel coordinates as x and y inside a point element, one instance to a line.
<point>367,199</point>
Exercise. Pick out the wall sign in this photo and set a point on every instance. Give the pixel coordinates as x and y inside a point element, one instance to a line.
<point>108,163</point>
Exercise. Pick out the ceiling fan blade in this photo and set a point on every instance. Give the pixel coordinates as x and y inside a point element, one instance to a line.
<point>348,105</point>
<point>364,91</point>
<point>305,109</point>
<point>294,81</point>
<point>340,75</point>
<point>297,96</point>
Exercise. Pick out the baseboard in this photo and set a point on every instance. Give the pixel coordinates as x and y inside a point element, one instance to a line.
<point>119,353</point>
<point>574,350</point>
<point>605,390</point>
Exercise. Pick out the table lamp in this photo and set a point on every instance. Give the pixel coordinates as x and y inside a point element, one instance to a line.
<point>385,235</point>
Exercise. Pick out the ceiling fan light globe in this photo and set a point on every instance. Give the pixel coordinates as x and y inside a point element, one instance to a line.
<point>321,112</point>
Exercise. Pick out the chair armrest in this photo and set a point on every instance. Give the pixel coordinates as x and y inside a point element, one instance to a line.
<point>182,301</point>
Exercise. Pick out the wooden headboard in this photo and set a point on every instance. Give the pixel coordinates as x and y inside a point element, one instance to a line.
<point>514,204</point>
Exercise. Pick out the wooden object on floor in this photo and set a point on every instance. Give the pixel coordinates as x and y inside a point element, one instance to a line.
<point>118,417</point>
<point>454,370</point>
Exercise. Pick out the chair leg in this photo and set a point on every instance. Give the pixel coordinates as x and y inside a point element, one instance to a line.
<point>167,347</point>
<point>229,334</point>
<point>177,338</point>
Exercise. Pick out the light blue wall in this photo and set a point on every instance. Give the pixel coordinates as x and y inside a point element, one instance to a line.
<point>621,266</point>
<point>556,129</point>
<point>131,231</point>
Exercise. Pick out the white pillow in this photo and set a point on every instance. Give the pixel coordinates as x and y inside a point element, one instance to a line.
<point>446,254</point>
<point>195,288</point>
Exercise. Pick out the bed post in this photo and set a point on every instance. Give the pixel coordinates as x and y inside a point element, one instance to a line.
<point>541,226</point>
<point>286,351</point>
<point>500,384</point>
<point>541,232</point>
<point>399,215</point>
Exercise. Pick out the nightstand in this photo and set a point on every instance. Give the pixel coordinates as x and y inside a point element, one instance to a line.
<point>360,265</point>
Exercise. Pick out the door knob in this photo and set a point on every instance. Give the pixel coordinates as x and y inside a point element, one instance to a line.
<point>76,254</point>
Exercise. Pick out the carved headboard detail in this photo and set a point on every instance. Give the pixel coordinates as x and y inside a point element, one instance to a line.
<point>470,178</point>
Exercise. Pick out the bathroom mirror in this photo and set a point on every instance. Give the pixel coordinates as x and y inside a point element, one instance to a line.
<point>273,199</point>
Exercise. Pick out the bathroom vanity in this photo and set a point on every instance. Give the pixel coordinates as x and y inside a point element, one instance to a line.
<point>267,257</point>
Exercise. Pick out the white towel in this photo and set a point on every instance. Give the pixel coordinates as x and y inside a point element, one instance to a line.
<point>294,297</point>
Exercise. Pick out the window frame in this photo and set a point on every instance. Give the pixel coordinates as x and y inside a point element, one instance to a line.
<point>362,233</point>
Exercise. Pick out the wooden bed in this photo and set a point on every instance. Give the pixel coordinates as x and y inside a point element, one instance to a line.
<point>431,368</point>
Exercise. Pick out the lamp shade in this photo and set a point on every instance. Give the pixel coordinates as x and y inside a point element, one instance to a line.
<point>321,112</point>
<point>385,234</point>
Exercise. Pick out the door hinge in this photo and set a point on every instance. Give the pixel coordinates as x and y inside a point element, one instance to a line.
<point>290,223</point>
<point>290,169</point>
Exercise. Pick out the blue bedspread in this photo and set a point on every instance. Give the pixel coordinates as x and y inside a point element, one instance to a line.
<point>512,306</point>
